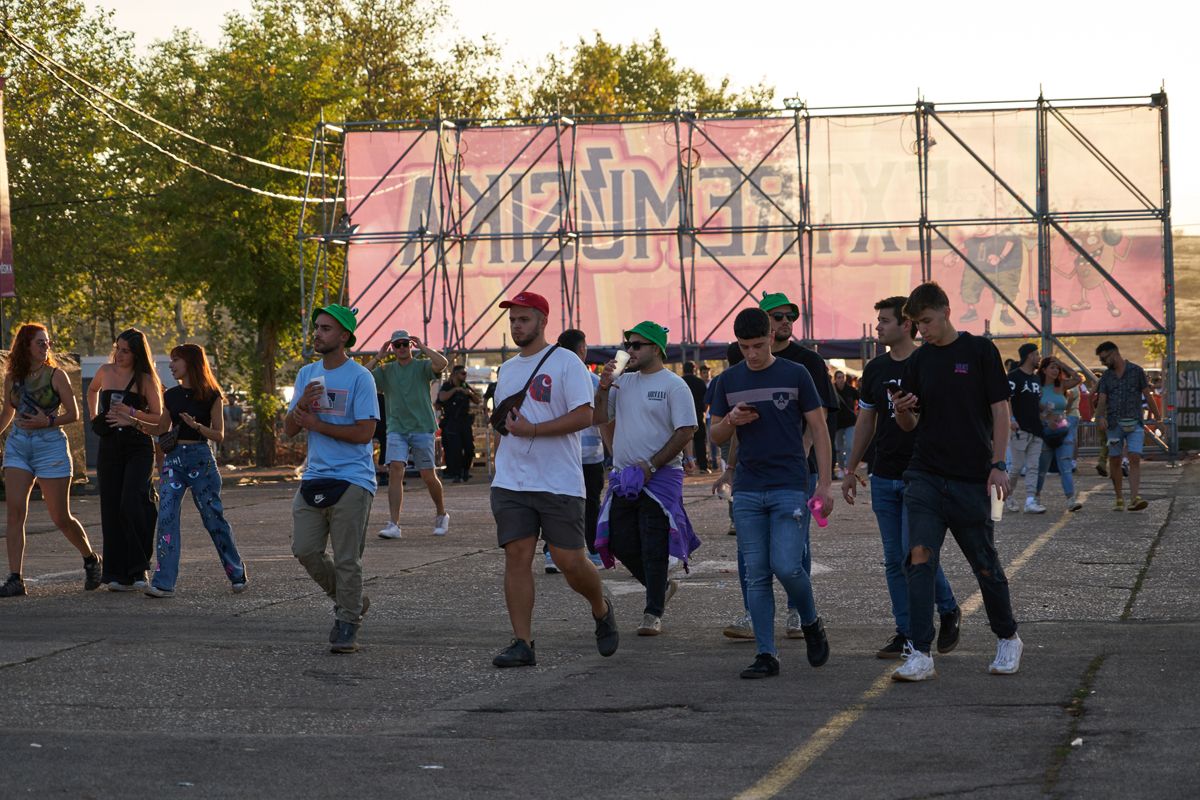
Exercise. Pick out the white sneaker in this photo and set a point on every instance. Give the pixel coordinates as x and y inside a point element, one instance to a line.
<point>794,631</point>
<point>1032,506</point>
<point>917,666</point>
<point>1008,656</point>
<point>651,626</point>
<point>390,531</point>
<point>1011,505</point>
<point>1074,503</point>
<point>741,628</point>
<point>441,525</point>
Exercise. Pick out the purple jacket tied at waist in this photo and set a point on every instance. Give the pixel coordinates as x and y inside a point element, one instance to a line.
<point>665,487</point>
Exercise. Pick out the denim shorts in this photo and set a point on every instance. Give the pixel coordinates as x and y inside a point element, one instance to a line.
<point>42,453</point>
<point>1133,440</point>
<point>411,448</point>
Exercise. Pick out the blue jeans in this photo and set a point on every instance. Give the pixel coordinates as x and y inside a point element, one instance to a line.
<point>191,465</point>
<point>887,501</point>
<point>805,523</point>
<point>1064,455</point>
<point>770,542</point>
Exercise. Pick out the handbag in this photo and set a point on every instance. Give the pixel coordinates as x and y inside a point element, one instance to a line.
<point>168,441</point>
<point>500,414</point>
<point>1054,437</point>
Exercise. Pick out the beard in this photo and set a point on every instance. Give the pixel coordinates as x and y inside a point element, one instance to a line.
<point>783,337</point>
<point>526,340</point>
<point>325,347</point>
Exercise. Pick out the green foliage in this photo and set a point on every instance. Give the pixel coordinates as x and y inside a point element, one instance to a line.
<point>599,77</point>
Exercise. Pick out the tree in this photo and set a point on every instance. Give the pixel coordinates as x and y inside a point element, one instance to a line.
<point>599,77</point>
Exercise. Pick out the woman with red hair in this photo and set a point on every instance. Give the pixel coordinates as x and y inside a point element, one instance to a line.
<point>194,415</point>
<point>39,402</point>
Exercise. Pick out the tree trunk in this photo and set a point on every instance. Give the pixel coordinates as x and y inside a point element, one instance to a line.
<point>265,400</point>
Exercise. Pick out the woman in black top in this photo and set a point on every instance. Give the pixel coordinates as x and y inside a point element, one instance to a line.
<point>194,415</point>
<point>125,400</point>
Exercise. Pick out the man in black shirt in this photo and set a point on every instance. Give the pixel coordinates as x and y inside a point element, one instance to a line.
<point>783,313</point>
<point>1025,444</point>
<point>700,441</point>
<point>955,397</point>
<point>457,399</point>
<point>893,449</point>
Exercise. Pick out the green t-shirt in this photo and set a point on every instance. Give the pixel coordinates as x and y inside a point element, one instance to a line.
<point>406,391</point>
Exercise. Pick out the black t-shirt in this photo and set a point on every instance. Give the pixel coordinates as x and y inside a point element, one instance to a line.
<point>699,389</point>
<point>893,445</point>
<point>818,371</point>
<point>849,396</point>
<point>178,400</point>
<point>1026,399</point>
<point>956,385</point>
<point>457,409</point>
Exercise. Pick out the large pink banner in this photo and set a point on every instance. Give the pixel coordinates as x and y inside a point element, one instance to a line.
<point>642,220</point>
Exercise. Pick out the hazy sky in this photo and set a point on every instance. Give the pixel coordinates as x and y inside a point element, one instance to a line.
<point>872,51</point>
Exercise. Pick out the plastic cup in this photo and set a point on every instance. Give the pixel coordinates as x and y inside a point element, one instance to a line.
<point>323,400</point>
<point>818,511</point>
<point>622,359</point>
<point>997,504</point>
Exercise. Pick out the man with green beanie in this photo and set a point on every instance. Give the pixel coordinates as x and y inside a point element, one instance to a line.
<point>655,418</point>
<point>334,403</point>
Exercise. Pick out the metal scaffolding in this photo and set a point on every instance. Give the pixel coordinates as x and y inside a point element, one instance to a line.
<point>453,221</point>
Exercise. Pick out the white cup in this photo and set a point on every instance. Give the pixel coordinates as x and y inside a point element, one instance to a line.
<point>323,401</point>
<point>622,359</point>
<point>997,504</point>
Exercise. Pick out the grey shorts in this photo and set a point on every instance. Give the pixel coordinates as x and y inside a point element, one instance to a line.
<point>558,517</point>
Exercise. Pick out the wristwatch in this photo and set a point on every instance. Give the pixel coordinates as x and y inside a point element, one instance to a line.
<point>1000,465</point>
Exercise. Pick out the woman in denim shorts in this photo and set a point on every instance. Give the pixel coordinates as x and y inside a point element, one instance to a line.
<point>194,413</point>
<point>39,402</point>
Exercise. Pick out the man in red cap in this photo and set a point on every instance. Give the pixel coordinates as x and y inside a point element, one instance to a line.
<point>539,486</point>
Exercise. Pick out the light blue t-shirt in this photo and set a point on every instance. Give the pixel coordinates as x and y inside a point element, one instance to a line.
<point>589,440</point>
<point>351,391</point>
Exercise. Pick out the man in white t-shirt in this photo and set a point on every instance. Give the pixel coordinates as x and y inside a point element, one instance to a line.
<point>539,487</point>
<point>334,403</point>
<point>655,416</point>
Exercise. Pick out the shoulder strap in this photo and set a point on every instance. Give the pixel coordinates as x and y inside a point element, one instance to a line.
<point>533,374</point>
<point>132,381</point>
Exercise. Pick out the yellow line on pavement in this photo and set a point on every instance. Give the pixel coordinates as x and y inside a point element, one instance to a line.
<point>803,757</point>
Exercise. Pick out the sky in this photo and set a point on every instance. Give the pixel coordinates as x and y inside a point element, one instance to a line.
<point>832,54</point>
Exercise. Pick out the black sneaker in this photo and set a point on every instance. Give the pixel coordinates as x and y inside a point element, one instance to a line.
<point>894,648</point>
<point>816,642</point>
<point>765,666</point>
<point>949,631</point>
<point>347,638</point>
<point>607,637</point>
<point>92,572</point>
<point>333,632</point>
<point>13,587</point>
<point>518,654</point>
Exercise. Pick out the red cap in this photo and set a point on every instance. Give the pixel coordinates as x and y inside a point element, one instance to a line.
<point>528,300</point>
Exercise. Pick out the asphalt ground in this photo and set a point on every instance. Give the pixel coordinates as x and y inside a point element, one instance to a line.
<point>212,694</point>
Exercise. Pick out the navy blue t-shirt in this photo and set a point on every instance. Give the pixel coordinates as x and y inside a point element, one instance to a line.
<point>770,449</point>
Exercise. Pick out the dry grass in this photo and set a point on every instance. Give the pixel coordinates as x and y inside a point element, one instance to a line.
<point>1187,296</point>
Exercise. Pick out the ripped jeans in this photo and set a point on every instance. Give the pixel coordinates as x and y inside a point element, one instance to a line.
<point>191,465</point>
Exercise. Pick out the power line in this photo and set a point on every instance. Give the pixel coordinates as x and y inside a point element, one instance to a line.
<point>177,158</point>
<point>35,53</point>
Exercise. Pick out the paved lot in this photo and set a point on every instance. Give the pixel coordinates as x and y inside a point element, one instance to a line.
<point>215,695</point>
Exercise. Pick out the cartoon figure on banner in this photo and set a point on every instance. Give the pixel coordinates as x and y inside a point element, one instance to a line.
<point>998,254</point>
<point>1107,247</point>
<point>1030,240</point>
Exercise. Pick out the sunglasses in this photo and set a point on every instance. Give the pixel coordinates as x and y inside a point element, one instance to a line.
<point>780,317</point>
<point>402,343</point>
<point>635,345</point>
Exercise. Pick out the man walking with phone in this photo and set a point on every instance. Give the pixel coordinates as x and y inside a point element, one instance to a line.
<point>955,396</point>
